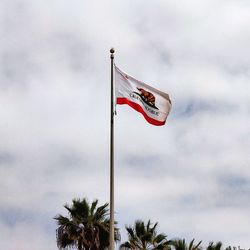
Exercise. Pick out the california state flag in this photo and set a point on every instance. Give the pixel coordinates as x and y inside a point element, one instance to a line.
<point>153,104</point>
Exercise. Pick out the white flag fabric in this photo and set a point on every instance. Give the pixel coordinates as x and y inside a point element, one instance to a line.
<point>153,104</point>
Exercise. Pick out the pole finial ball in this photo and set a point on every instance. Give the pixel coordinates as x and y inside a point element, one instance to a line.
<point>112,50</point>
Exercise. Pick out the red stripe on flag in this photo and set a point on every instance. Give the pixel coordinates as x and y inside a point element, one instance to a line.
<point>137,107</point>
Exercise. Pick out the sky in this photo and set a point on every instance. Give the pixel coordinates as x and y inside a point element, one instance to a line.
<point>191,175</point>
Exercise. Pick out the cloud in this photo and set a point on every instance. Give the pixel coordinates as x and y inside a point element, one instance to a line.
<point>191,175</point>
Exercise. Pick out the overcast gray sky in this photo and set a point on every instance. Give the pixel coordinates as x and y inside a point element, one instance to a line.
<point>191,175</point>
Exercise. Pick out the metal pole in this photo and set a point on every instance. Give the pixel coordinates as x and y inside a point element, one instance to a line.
<point>111,225</point>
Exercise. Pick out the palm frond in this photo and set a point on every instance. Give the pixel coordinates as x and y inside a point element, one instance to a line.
<point>93,207</point>
<point>144,236</point>
<point>86,227</point>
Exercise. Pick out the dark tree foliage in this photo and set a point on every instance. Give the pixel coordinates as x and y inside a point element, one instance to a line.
<point>144,237</point>
<point>180,244</point>
<point>213,246</point>
<point>86,227</point>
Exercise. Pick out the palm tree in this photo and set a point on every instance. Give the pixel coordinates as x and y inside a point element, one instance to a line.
<point>145,237</point>
<point>213,246</point>
<point>86,228</point>
<point>179,244</point>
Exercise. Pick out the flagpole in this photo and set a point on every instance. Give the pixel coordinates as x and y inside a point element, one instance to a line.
<point>111,225</point>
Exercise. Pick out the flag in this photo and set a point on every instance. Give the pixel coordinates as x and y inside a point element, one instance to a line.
<point>153,104</point>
